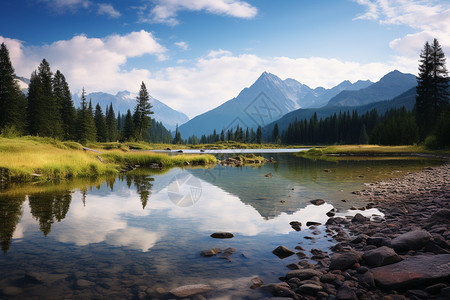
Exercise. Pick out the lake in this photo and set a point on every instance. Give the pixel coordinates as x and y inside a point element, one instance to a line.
<point>140,234</point>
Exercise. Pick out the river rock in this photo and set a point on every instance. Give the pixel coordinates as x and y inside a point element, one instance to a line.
<point>312,223</point>
<point>344,261</point>
<point>413,272</point>
<point>440,217</point>
<point>346,293</point>
<point>190,290</point>
<point>268,175</point>
<point>210,252</point>
<point>82,283</point>
<point>303,274</point>
<point>34,277</point>
<point>381,256</point>
<point>412,240</point>
<point>317,202</point>
<point>309,288</point>
<point>296,225</point>
<point>256,282</point>
<point>359,218</point>
<point>282,252</point>
<point>222,235</point>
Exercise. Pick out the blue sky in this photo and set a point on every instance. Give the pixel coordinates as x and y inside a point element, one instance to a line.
<point>195,54</point>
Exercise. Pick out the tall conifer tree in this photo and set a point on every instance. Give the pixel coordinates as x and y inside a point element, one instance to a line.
<point>142,112</point>
<point>63,98</point>
<point>12,100</point>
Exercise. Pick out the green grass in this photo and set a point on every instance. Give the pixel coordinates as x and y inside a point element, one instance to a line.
<point>24,159</point>
<point>358,151</point>
<point>146,159</point>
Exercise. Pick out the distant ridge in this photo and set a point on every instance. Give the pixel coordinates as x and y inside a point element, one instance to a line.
<point>266,100</point>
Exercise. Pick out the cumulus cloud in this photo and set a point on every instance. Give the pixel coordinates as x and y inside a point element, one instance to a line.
<point>195,86</point>
<point>166,11</point>
<point>429,18</point>
<point>95,63</point>
<point>109,10</point>
<point>182,45</point>
<point>64,6</point>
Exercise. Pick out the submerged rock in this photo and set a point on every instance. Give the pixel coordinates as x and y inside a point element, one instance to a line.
<point>190,290</point>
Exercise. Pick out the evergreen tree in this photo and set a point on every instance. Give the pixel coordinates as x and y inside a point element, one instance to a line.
<point>275,133</point>
<point>34,103</point>
<point>128,127</point>
<point>259,135</point>
<point>432,87</point>
<point>12,101</point>
<point>63,98</point>
<point>111,124</point>
<point>86,131</point>
<point>100,124</point>
<point>177,139</point>
<point>142,112</point>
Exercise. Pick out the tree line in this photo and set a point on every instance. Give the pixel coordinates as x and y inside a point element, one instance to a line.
<point>48,110</point>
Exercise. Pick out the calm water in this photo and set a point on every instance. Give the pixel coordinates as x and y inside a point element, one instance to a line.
<point>142,233</point>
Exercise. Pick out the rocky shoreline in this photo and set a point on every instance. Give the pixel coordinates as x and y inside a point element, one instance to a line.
<point>404,254</point>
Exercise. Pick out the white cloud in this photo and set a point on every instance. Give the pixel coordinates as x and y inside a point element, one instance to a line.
<point>166,11</point>
<point>109,10</point>
<point>94,63</point>
<point>430,19</point>
<point>192,87</point>
<point>183,45</point>
<point>63,6</point>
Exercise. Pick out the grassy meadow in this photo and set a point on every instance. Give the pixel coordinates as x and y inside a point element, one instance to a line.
<point>44,159</point>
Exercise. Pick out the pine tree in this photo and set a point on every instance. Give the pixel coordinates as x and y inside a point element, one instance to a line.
<point>275,133</point>
<point>86,131</point>
<point>142,112</point>
<point>432,88</point>
<point>111,124</point>
<point>177,139</point>
<point>100,124</point>
<point>128,127</point>
<point>44,116</point>
<point>12,101</point>
<point>63,98</point>
<point>259,135</point>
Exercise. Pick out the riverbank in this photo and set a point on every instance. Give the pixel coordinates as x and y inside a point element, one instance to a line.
<point>29,159</point>
<point>404,254</point>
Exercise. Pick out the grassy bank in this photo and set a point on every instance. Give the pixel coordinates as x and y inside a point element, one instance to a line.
<point>346,151</point>
<point>43,159</point>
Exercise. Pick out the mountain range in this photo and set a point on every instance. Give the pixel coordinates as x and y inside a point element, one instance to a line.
<point>266,100</point>
<point>271,98</point>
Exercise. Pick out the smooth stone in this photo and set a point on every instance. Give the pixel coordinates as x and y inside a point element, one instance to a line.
<point>440,217</point>
<point>308,288</point>
<point>435,288</point>
<point>317,202</point>
<point>359,218</point>
<point>268,175</point>
<point>222,235</point>
<point>303,274</point>
<point>412,240</point>
<point>413,271</point>
<point>344,261</point>
<point>282,252</point>
<point>256,282</point>
<point>312,223</point>
<point>381,256</point>
<point>190,290</point>
<point>210,252</point>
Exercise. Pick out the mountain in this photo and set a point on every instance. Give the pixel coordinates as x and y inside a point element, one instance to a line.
<point>388,87</point>
<point>123,101</point>
<point>406,99</point>
<point>265,101</point>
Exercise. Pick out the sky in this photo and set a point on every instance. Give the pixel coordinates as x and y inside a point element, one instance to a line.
<point>193,55</point>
